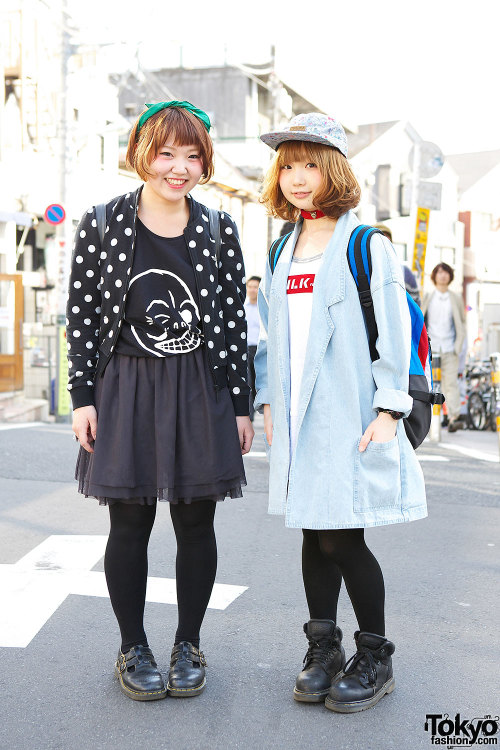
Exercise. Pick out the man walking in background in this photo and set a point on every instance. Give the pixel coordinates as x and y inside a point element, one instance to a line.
<point>445,319</point>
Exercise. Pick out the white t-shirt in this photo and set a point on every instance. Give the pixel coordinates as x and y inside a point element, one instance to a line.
<point>440,323</point>
<point>300,298</point>
<point>253,323</point>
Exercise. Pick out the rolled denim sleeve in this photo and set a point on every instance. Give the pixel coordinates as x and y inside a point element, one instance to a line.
<point>391,370</point>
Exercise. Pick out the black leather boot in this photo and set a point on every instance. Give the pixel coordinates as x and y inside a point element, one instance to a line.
<point>187,671</point>
<point>324,658</point>
<point>139,676</point>
<point>366,677</point>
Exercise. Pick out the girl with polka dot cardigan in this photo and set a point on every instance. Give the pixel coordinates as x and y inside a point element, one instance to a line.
<point>98,292</point>
<point>158,383</point>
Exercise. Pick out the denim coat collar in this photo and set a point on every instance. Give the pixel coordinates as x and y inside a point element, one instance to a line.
<point>329,289</point>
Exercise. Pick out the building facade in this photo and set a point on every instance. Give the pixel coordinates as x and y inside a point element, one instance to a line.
<point>478,189</point>
<point>380,156</point>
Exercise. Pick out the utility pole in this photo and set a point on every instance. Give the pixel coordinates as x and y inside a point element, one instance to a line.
<point>63,231</point>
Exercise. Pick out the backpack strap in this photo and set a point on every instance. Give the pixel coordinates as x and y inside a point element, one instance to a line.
<point>100,217</point>
<point>428,397</point>
<point>360,264</point>
<point>275,250</point>
<point>214,220</point>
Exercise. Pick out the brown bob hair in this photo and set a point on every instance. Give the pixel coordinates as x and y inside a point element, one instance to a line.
<point>174,125</point>
<point>442,267</point>
<point>339,192</point>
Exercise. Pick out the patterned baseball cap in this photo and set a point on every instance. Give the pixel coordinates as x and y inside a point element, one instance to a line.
<point>313,127</point>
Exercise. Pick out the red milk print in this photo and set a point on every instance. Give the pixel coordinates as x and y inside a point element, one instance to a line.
<point>302,284</point>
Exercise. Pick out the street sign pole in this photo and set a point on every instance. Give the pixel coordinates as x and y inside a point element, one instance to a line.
<point>435,429</point>
<point>416,153</point>
<point>426,160</point>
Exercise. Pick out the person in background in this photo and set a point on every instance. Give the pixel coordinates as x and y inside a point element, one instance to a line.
<point>411,284</point>
<point>253,323</point>
<point>445,319</point>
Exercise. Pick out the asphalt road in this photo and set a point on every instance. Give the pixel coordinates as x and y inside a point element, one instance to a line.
<point>58,692</point>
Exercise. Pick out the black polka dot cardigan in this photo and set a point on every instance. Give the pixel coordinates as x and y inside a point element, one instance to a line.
<point>98,292</point>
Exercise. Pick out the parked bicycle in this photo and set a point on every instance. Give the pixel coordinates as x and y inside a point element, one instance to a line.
<point>482,397</point>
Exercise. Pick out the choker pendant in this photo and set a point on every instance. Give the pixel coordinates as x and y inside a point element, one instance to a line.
<point>311,214</point>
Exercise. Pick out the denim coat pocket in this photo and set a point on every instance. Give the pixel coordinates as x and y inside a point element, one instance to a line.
<point>377,477</point>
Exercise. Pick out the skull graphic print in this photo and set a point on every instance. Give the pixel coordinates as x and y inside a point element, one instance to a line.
<point>168,321</point>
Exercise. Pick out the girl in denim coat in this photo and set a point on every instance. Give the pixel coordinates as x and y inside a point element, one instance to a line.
<point>340,460</point>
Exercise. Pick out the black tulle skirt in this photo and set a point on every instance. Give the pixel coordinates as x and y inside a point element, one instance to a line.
<point>163,433</point>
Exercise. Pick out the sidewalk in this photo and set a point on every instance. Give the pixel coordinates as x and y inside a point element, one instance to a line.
<point>473,443</point>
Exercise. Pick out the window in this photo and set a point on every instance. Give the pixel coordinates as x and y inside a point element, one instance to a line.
<point>447,255</point>
<point>401,249</point>
<point>381,192</point>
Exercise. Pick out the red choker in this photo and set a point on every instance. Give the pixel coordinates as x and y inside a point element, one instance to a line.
<point>311,214</point>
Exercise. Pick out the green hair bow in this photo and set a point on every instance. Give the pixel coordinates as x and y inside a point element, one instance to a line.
<point>154,108</point>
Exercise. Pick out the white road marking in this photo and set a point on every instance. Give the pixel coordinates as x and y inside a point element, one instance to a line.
<point>35,586</point>
<point>471,452</point>
<point>19,425</point>
<point>427,457</point>
<point>256,454</point>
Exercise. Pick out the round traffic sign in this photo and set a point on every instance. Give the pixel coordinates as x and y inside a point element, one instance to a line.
<point>431,159</point>
<point>54,214</point>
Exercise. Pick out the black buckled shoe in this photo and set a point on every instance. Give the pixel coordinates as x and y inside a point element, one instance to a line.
<point>187,671</point>
<point>139,676</point>
<point>325,657</point>
<point>366,677</point>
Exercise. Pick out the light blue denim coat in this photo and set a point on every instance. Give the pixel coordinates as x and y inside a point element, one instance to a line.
<point>328,483</point>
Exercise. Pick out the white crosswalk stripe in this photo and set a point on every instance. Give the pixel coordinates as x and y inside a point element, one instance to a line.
<point>34,587</point>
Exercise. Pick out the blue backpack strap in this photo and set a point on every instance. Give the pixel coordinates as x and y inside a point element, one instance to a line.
<point>275,250</point>
<point>360,264</point>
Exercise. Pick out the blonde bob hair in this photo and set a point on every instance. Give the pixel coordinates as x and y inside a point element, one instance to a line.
<point>338,193</point>
<point>175,126</point>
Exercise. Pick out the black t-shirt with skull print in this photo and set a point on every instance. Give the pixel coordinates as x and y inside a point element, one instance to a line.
<point>162,316</point>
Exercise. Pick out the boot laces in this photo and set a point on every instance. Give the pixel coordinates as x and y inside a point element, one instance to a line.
<point>363,661</point>
<point>319,652</point>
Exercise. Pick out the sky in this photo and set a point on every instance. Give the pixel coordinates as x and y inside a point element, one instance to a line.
<point>434,63</point>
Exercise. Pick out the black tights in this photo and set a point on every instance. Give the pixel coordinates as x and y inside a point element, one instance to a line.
<point>329,556</point>
<point>126,566</point>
